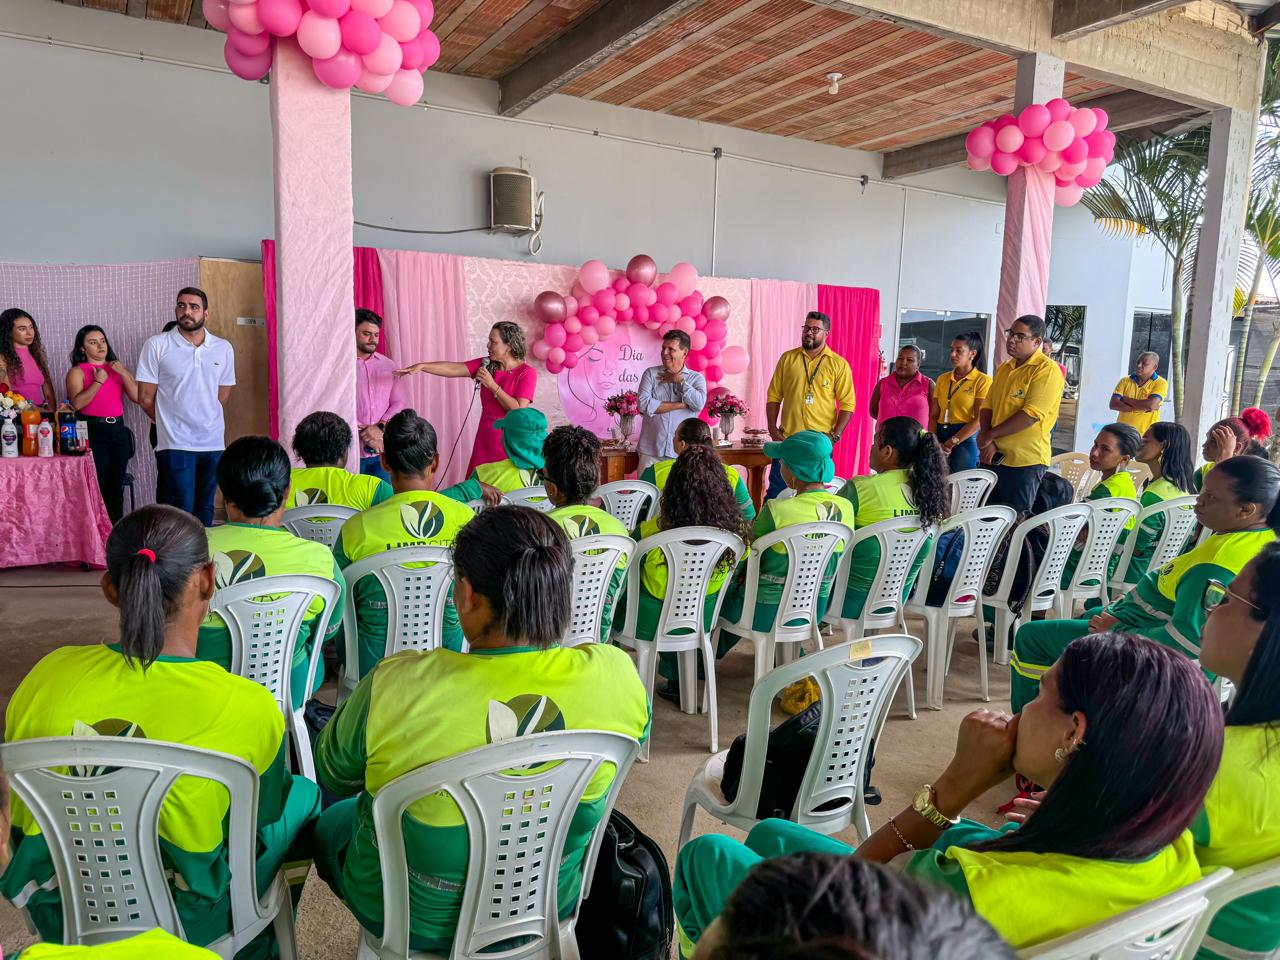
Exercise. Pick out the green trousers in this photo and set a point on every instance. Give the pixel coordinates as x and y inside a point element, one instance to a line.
<point>1036,648</point>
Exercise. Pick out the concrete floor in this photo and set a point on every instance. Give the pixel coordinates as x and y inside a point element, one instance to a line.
<point>44,608</point>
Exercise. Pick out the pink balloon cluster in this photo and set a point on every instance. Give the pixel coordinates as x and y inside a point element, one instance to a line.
<point>1072,143</point>
<point>380,46</point>
<point>599,302</point>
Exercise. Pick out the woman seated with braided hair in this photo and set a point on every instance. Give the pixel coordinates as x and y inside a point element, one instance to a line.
<point>1123,785</point>
<point>695,431</point>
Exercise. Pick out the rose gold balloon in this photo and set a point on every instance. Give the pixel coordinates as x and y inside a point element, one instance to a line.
<point>642,269</point>
<point>716,308</point>
<point>550,306</point>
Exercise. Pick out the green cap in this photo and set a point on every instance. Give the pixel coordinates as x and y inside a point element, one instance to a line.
<point>807,455</point>
<point>524,430</point>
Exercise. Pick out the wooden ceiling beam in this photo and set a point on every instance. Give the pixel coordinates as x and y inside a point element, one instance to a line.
<point>614,27</point>
<point>525,14</point>
<point>1076,18</point>
<point>1264,21</point>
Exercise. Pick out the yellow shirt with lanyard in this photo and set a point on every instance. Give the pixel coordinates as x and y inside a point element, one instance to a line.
<point>811,391</point>
<point>958,400</point>
<point>1034,388</point>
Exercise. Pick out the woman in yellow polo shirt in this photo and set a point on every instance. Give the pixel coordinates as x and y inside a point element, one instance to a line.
<point>957,397</point>
<point>1123,784</point>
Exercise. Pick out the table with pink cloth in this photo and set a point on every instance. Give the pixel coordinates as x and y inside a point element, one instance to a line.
<point>53,512</point>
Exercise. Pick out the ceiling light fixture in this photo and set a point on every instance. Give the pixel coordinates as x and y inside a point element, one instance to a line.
<point>834,86</point>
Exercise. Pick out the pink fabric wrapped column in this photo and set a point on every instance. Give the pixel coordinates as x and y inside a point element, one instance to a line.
<point>311,124</point>
<point>778,309</point>
<point>1028,240</point>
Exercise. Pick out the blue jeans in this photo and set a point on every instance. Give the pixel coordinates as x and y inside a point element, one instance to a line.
<point>776,483</point>
<point>964,455</point>
<point>372,467</point>
<point>188,480</point>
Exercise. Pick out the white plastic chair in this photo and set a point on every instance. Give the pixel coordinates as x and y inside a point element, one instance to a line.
<point>1074,468</point>
<point>264,618</point>
<point>103,834</point>
<point>1140,472</point>
<point>1107,519</point>
<point>901,539</point>
<point>970,489</point>
<point>1064,525</point>
<point>810,547</point>
<point>692,555</point>
<point>982,528</point>
<point>1179,524</point>
<point>319,522</point>
<point>595,559</point>
<point>518,799</point>
<point>857,681</point>
<point>1158,930</point>
<point>533,497</point>
<point>629,501</point>
<point>418,582</point>
<point>1241,883</point>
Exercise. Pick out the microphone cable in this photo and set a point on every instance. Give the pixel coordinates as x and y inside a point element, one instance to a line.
<point>465,417</point>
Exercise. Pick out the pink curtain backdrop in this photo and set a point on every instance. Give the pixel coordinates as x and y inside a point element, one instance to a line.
<point>1024,264</point>
<point>131,301</point>
<point>425,306</point>
<point>778,308</point>
<point>855,335</point>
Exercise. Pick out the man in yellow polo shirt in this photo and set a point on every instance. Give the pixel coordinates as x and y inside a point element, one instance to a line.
<point>1138,398</point>
<point>1018,416</point>
<point>812,388</point>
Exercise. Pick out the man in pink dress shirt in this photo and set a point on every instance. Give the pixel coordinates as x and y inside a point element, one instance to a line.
<point>379,393</point>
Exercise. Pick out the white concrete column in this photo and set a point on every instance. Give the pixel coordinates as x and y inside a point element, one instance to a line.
<point>1221,234</point>
<point>1028,215</point>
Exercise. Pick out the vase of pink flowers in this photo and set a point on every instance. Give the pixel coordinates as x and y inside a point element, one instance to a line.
<point>626,407</point>
<point>728,408</point>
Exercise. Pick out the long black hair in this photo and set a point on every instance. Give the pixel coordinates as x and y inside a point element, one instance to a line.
<point>78,356</point>
<point>1258,695</point>
<point>1176,462</point>
<point>149,591</point>
<point>694,430</point>
<point>409,444</point>
<point>521,562</point>
<point>973,340</point>
<point>572,456</point>
<point>9,353</point>
<point>698,494</point>
<point>254,474</point>
<point>1150,752</point>
<point>1255,480</point>
<point>921,456</point>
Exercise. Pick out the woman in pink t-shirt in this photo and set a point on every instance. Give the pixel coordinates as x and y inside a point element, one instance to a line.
<point>22,361</point>
<point>97,384</point>
<point>506,382</point>
<point>905,392</point>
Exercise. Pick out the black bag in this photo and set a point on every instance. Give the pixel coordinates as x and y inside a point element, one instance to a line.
<point>790,744</point>
<point>627,914</point>
<point>949,551</point>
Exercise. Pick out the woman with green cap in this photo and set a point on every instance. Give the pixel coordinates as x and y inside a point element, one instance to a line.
<point>524,430</point>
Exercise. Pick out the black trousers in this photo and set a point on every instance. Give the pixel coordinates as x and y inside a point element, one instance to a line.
<point>112,446</point>
<point>1017,486</point>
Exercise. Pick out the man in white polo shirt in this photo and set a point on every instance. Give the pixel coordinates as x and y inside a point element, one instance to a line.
<point>184,378</point>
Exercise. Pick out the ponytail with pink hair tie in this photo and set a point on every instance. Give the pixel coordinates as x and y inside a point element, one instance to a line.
<point>1258,422</point>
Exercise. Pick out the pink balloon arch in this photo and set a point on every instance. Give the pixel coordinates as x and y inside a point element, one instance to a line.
<point>378,46</point>
<point>1072,143</point>
<point>599,302</point>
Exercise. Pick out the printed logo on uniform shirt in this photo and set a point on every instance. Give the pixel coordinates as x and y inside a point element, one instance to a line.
<point>1018,393</point>
<point>580,526</point>
<point>529,478</point>
<point>422,521</point>
<point>113,727</point>
<point>524,716</point>
<point>237,566</point>
<point>307,498</point>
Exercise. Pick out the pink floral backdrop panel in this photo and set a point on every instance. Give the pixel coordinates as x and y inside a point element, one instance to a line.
<point>130,301</point>
<point>778,309</point>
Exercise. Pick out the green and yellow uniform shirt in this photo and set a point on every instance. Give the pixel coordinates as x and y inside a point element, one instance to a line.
<point>580,520</point>
<point>876,498</point>
<point>1199,475</point>
<point>243,552</point>
<point>410,519</point>
<point>958,401</point>
<point>152,945</point>
<point>1156,491</point>
<point>1035,388</point>
<point>1238,828</point>
<point>322,485</point>
<point>94,690</point>
<point>1130,389</point>
<point>1033,897</point>
<point>658,473</point>
<point>505,475</point>
<point>812,391</point>
<point>419,707</point>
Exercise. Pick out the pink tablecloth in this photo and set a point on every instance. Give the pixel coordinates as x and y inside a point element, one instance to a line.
<point>53,512</point>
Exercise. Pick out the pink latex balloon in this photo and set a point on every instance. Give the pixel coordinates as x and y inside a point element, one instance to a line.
<point>1086,182</point>
<point>621,302</point>
<point>1069,171</point>
<point>624,316</point>
<point>698,339</point>
<point>716,329</point>
<point>579,293</point>
<point>700,321</point>
<point>361,34</point>
<point>571,359</point>
<point>1058,135</point>
<point>642,269</point>
<point>1060,181</point>
<point>1083,121</point>
<point>716,308</point>
<point>406,88</point>
<point>696,362</point>
<point>244,17</point>
<point>620,285</point>
<point>1075,151</point>
<point>1094,168</point>
<point>402,21</point>
<point>412,56</point>
<point>549,306</point>
<point>215,14</point>
<point>386,57</point>
<point>1009,139</point>
<point>330,8</point>
<point>426,10</point>
<point>572,344</point>
<point>340,71</point>
<point>570,306</point>
<point>665,328</point>
<point>540,349</point>
<point>1102,119</point>
<point>589,315</point>
<point>641,314</point>
<point>1096,143</point>
<point>1051,162</point>
<point>430,45</point>
<point>589,335</point>
<point>374,8</point>
<point>1059,109</point>
<point>554,368</point>
<point>712,349</point>
<point>686,324</point>
<point>604,327</point>
<point>1068,196</point>
<point>685,278</point>
<point>734,359</point>
<point>280,18</point>
<point>555,334</point>
<point>371,82</point>
<point>246,67</point>
<point>1032,120</point>
<point>714,373</point>
<point>572,325</point>
<point>250,44</point>
<point>637,292</point>
<point>981,142</point>
<point>605,299</point>
<point>319,37</point>
<point>652,325</point>
<point>978,163</point>
<point>668,293</point>
<point>1007,120</point>
<point>593,275</point>
<point>1003,163</point>
<point>555,355</point>
<point>1032,151</point>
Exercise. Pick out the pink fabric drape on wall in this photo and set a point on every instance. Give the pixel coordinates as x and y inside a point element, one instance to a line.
<point>1024,262</point>
<point>855,335</point>
<point>778,308</point>
<point>425,306</point>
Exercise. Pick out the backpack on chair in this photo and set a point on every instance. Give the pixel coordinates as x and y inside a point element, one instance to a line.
<point>627,914</point>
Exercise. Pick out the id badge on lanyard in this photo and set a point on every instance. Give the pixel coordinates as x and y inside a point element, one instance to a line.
<point>808,397</point>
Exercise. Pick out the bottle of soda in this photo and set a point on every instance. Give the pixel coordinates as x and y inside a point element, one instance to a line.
<point>68,444</point>
<point>8,439</point>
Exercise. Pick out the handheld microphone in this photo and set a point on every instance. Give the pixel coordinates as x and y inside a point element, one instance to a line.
<point>493,366</point>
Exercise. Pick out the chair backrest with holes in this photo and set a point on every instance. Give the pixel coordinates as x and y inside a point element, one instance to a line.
<point>983,528</point>
<point>1107,520</point>
<point>692,556</point>
<point>1073,467</point>
<point>810,548</point>
<point>1063,524</point>
<point>1242,882</point>
<point>264,618</point>
<point>418,583</point>
<point>1177,525</point>
<point>319,523</point>
<point>518,799</point>
<point>901,541</point>
<point>102,830</point>
<point>629,501</point>
<point>970,489</point>
<point>595,559</point>
<point>533,497</point>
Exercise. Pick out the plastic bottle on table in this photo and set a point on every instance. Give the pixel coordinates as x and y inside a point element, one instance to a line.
<point>8,439</point>
<point>44,438</point>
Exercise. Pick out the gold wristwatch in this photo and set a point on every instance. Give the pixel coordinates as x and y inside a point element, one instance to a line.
<point>923,805</point>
